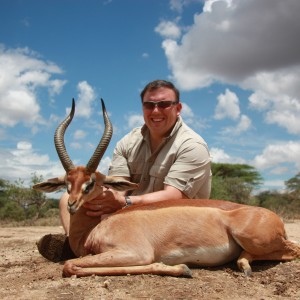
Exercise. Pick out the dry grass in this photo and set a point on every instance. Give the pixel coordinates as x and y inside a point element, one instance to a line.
<point>51,221</point>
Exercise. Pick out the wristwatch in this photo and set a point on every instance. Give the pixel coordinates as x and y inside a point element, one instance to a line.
<point>128,202</point>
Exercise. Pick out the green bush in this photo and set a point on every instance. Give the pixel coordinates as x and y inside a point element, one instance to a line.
<point>12,211</point>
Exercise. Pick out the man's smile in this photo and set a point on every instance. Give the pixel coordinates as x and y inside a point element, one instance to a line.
<point>157,119</point>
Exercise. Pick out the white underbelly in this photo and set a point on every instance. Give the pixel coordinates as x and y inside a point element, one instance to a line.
<point>203,256</point>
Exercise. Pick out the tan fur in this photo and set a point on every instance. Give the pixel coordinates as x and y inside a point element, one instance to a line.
<point>181,232</point>
<point>163,237</point>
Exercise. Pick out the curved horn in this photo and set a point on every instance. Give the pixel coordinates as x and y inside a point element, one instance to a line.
<point>59,140</point>
<point>103,144</point>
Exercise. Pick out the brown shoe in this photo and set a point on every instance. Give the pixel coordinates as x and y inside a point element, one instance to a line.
<point>55,247</point>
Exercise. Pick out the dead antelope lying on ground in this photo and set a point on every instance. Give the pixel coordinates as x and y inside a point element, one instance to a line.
<point>163,237</point>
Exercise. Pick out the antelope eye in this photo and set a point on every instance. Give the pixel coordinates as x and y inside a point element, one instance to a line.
<point>88,187</point>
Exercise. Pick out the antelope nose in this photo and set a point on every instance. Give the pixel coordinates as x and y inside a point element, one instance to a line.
<point>72,208</point>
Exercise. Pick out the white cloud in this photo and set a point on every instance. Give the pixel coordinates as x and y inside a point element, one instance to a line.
<point>218,155</point>
<point>135,121</point>
<point>187,112</point>
<point>209,3</point>
<point>22,72</point>
<point>24,155</point>
<point>222,45</point>
<point>190,118</point>
<point>168,29</point>
<point>228,106</point>
<point>75,145</point>
<point>23,145</point>
<point>243,125</point>
<point>86,96</point>
<point>277,159</point>
<point>23,161</point>
<point>104,165</point>
<point>79,134</point>
<point>178,5</point>
<point>276,184</point>
<point>56,86</point>
<point>278,98</point>
<point>275,155</point>
<point>280,170</point>
<point>288,118</point>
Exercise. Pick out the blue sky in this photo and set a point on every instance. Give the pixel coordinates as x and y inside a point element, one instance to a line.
<point>236,63</point>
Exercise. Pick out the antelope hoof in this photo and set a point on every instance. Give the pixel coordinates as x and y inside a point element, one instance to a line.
<point>244,266</point>
<point>186,271</point>
<point>248,272</point>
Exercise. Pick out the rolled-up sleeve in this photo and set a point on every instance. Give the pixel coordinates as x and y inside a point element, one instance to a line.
<point>191,171</point>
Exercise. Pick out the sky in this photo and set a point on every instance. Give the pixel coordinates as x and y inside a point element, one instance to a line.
<point>235,62</point>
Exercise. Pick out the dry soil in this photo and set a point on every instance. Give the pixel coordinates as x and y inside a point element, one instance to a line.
<point>24,274</point>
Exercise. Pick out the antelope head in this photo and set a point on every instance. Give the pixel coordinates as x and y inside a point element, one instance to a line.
<point>83,183</point>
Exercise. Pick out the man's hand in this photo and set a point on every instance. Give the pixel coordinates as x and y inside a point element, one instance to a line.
<point>105,203</point>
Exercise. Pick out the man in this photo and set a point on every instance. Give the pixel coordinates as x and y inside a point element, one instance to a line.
<point>165,157</point>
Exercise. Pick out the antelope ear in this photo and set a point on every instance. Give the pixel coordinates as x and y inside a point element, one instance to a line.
<point>51,185</point>
<point>119,184</point>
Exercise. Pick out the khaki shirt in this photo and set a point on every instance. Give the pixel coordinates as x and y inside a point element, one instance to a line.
<point>182,161</point>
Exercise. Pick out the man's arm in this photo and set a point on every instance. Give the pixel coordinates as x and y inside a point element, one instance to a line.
<point>110,201</point>
<point>168,193</point>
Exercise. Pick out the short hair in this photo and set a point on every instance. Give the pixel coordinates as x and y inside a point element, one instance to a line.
<point>156,84</point>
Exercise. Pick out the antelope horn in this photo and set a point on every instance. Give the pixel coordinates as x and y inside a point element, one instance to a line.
<point>59,140</point>
<point>103,144</point>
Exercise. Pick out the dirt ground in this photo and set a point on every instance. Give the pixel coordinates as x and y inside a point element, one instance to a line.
<point>24,274</point>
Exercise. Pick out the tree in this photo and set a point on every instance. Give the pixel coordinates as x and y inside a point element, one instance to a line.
<point>2,184</point>
<point>246,173</point>
<point>12,211</point>
<point>281,203</point>
<point>234,182</point>
<point>3,187</point>
<point>31,201</point>
<point>37,198</point>
<point>293,186</point>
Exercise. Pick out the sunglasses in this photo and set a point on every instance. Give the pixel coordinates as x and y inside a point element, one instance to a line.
<point>160,104</point>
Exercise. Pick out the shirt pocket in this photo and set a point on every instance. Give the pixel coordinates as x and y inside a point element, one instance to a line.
<point>136,170</point>
<point>157,175</point>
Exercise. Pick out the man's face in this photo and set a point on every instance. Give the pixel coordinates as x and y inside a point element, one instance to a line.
<point>159,120</point>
